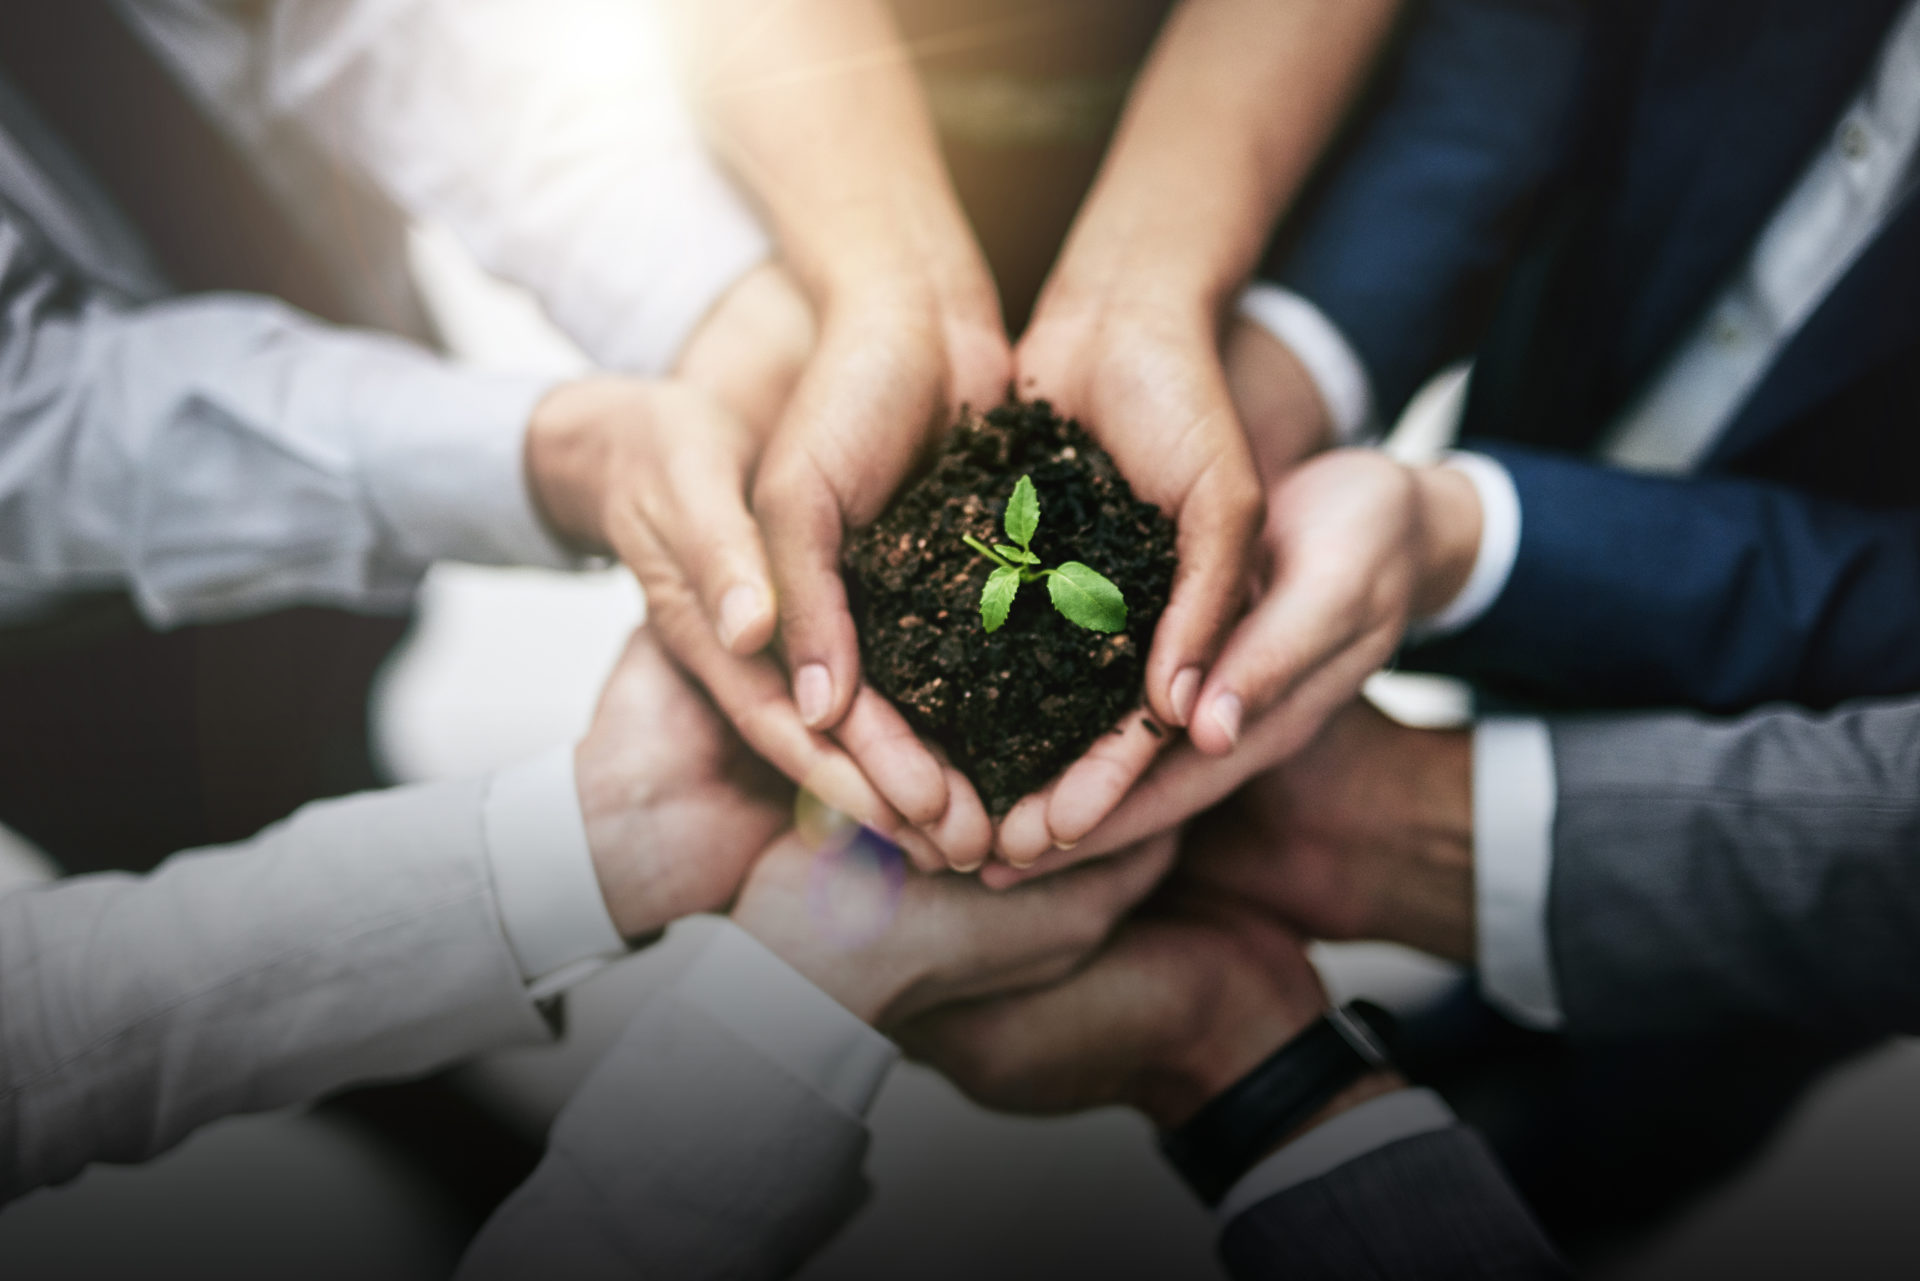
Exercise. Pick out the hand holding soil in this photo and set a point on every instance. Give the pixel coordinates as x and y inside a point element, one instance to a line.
<point>1014,705</point>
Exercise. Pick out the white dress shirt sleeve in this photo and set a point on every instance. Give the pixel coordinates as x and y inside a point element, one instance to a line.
<point>1329,359</point>
<point>1492,561</point>
<point>357,940</point>
<point>550,136</point>
<point>1514,797</point>
<point>224,455</point>
<point>1348,1136</point>
<point>551,905</point>
<point>768,1004</point>
<point>721,1137</point>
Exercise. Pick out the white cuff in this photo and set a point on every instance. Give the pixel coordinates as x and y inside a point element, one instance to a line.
<point>772,1007</point>
<point>1499,546</point>
<point>1514,797</point>
<point>1318,344</point>
<point>1354,1133</point>
<point>551,907</point>
<point>444,454</point>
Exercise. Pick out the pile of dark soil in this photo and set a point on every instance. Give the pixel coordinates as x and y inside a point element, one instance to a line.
<point>1014,707</point>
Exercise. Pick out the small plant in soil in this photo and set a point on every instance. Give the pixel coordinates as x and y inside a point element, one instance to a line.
<point>1082,594</point>
<point>1015,701</point>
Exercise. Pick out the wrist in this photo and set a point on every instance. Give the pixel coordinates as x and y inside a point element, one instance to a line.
<point>567,457</point>
<point>785,906</point>
<point>1225,1025</point>
<point>1196,1071</point>
<point>1448,526</point>
<point>1426,899</point>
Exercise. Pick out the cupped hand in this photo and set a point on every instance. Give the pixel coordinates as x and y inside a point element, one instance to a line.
<point>1143,376</point>
<point>893,367</point>
<point>1355,543</point>
<point>674,805</point>
<point>1189,996</point>
<point>1365,832</point>
<point>656,471</point>
<point>888,946</point>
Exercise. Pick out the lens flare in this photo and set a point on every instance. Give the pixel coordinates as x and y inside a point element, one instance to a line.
<point>857,876</point>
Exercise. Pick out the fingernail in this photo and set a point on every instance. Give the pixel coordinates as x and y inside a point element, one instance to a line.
<point>1186,688</point>
<point>740,609</point>
<point>813,691</point>
<point>1226,714</point>
<point>1065,845</point>
<point>967,869</point>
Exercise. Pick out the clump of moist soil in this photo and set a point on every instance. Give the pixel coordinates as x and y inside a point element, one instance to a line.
<point>1014,707</point>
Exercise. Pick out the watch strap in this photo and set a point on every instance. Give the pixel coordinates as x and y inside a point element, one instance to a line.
<point>1238,1127</point>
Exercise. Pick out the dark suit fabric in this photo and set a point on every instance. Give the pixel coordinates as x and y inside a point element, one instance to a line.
<point>1433,1207</point>
<point>1714,875</point>
<point>1611,214</point>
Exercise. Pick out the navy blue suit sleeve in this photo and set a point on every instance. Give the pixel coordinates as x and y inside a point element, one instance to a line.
<point>1414,220</point>
<point>1714,592</point>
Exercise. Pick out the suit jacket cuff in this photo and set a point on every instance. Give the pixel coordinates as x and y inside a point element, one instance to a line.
<point>1354,1133</point>
<point>1513,805</point>
<point>1328,357</point>
<point>1493,561</point>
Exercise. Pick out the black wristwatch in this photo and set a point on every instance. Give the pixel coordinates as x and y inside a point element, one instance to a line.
<point>1238,1127</point>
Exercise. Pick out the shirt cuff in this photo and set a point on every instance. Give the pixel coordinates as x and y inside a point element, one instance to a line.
<point>1514,796</point>
<point>551,907</point>
<point>1493,562</point>
<point>1354,1133</point>
<point>444,459</point>
<point>1318,344</point>
<point>772,1007</point>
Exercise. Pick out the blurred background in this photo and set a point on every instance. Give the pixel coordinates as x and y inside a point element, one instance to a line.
<point>496,665</point>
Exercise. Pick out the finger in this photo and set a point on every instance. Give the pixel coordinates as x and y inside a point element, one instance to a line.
<point>1005,876</point>
<point>1219,518</point>
<point>895,761</point>
<point>705,527</point>
<point>1098,781</point>
<point>1070,916</point>
<point>964,833</point>
<point>1118,885</point>
<point>752,694</point>
<point>800,514</point>
<point>1309,617</point>
<point>1046,827</point>
<point>999,876</point>
<point>1023,836</point>
<point>1187,782</point>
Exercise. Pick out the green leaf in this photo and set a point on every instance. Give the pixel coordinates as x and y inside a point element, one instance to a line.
<point>1015,555</point>
<point>1023,512</point>
<point>1087,598</point>
<point>996,598</point>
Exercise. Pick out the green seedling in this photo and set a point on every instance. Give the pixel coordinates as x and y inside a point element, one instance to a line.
<point>1084,595</point>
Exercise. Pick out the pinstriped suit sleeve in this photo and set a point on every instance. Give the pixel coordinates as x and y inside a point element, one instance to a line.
<point>1709,874</point>
<point>1435,1207</point>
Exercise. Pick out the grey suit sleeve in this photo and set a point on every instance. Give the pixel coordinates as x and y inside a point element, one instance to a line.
<point>359,939</point>
<point>1432,1207</point>
<point>1711,873</point>
<point>689,1154</point>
